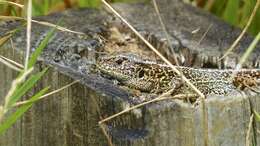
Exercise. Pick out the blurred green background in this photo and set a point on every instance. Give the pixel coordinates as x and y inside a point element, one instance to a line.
<point>235,12</point>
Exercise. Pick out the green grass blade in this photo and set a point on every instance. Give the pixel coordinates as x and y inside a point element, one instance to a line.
<point>231,12</point>
<point>257,116</point>
<point>89,3</point>
<point>27,85</point>
<point>13,12</point>
<point>37,9</point>
<point>31,100</point>
<point>246,11</point>
<point>19,112</point>
<point>46,7</point>
<point>40,48</point>
<point>254,28</point>
<point>249,50</point>
<point>218,7</point>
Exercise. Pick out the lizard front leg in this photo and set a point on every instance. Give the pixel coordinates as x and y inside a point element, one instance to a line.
<point>139,84</point>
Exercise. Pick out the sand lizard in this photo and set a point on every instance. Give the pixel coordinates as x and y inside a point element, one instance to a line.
<point>152,77</point>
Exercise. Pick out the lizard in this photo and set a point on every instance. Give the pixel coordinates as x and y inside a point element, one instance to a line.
<point>152,77</point>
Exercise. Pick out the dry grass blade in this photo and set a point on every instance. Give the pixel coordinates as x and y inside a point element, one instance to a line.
<point>28,34</point>
<point>12,3</point>
<point>153,49</point>
<point>10,65</point>
<point>48,94</point>
<point>249,129</point>
<point>12,62</point>
<point>15,83</point>
<point>243,32</point>
<point>57,27</point>
<point>8,36</point>
<point>248,51</point>
<point>102,126</point>
<point>165,31</point>
<point>204,35</point>
<point>42,23</point>
<point>4,39</point>
<point>159,98</point>
<point>133,107</point>
<point>246,55</point>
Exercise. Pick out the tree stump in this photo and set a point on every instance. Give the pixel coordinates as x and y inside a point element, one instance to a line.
<point>71,116</point>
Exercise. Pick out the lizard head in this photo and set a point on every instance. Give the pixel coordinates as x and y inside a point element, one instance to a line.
<point>118,67</point>
<point>130,71</point>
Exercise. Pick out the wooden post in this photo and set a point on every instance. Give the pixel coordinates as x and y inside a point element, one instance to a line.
<point>71,116</point>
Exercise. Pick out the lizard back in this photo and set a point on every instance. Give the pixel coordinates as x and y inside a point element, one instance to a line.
<point>152,77</point>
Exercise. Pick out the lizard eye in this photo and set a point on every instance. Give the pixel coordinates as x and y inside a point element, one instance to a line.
<point>119,61</point>
<point>141,73</point>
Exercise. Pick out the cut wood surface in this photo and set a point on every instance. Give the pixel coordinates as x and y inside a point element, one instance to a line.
<point>71,116</point>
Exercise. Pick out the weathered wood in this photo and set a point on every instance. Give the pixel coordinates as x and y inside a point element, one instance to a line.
<point>71,116</point>
<point>181,20</point>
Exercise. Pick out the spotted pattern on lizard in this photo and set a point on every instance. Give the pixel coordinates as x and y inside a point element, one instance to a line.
<point>152,77</point>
